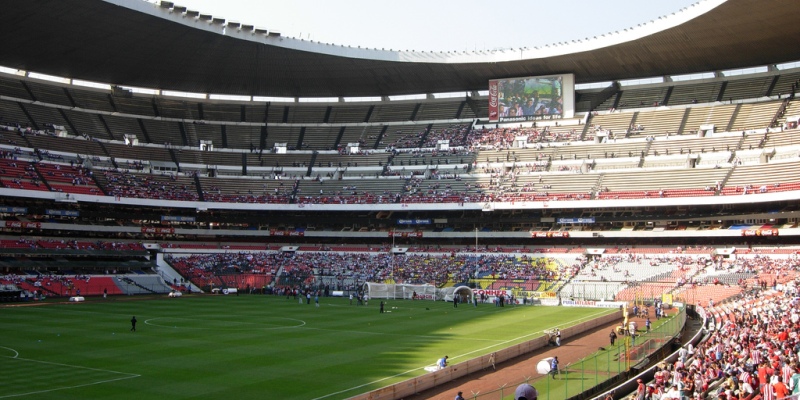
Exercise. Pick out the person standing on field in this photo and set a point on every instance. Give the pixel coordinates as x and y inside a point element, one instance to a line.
<point>553,367</point>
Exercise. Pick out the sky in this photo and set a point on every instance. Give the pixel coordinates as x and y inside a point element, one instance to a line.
<point>438,25</point>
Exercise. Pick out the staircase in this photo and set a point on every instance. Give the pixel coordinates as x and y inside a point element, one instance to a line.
<point>199,188</point>
<point>725,180</point>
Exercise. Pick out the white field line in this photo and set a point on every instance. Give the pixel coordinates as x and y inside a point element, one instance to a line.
<point>127,376</point>
<point>16,353</point>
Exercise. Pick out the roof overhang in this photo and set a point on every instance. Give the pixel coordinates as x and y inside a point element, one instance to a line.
<point>135,43</point>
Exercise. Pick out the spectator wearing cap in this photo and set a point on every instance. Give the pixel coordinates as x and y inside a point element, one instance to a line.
<point>526,392</point>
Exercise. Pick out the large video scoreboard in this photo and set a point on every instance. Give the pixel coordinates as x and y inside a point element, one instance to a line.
<point>532,98</point>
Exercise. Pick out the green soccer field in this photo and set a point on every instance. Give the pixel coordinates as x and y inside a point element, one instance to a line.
<point>247,346</point>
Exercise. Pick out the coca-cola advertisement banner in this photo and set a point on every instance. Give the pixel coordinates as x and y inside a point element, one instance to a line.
<point>158,230</point>
<point>494,113</point>
<point>760,232</point>
<point>416,234</point>
<point>547,235</point>
<point>275,232</point>
<point>23,224</point>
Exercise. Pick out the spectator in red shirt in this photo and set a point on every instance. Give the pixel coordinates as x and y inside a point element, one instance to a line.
<point>780,389</point>
<point>762,374</point>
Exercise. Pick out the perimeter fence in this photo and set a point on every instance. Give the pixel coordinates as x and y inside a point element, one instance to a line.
<point>605,364</point>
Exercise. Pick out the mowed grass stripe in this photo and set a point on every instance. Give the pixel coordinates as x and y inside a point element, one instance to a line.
<point>262,346</point>
<point>25,377</point>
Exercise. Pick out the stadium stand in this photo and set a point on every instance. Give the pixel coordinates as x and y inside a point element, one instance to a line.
<point>684,187</point>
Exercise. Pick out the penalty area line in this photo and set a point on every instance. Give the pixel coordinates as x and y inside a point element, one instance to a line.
<point>126,376</point>
<point>16,353</point>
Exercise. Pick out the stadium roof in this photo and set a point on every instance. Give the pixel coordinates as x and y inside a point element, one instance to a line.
<point>164,46</point>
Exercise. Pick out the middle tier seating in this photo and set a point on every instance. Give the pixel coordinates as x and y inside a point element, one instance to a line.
<point>638,148</point>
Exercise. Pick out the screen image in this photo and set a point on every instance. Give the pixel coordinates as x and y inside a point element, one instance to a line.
<point>531,98</point>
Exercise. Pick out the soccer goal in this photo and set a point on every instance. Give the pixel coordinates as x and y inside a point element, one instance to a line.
<point>377,290</point>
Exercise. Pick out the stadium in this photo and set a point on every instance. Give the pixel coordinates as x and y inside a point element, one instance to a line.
<point>281,187</point>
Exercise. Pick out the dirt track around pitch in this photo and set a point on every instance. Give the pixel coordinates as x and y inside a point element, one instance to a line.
<point>515,371</point>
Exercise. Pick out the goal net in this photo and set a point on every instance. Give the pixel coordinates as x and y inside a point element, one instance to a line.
<point>377,290</point>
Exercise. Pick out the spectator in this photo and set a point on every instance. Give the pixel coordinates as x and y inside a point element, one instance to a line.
<point>526,392</point>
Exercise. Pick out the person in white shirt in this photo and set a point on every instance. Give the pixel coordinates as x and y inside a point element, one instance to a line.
<point>673,393</point>
<point>745,389</point>
<point>682,353</point>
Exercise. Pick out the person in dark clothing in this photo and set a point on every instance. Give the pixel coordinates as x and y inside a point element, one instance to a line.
<point>133,324</point>
<point>612,336</point>
<point>381,306</point>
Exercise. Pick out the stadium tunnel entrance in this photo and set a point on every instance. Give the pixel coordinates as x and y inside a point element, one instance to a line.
<point>464,294</point>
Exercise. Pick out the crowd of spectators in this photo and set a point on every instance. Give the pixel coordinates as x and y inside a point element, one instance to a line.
<point>752,352</point>
<point>503,138</point>
<point>64,244</point>
<point>455,134</point>
<point>17,171</point>
<point>508,182</point>
<point>281,194</point>
<point>279,198</point>
<point>405,140</point>
<point>349,197</point>
<point>166,186</point>
<point>73,174</point>
<point>419,190</point>
<point>348,269</point>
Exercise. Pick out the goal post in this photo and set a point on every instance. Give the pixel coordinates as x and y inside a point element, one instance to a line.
<point>377,290</point>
